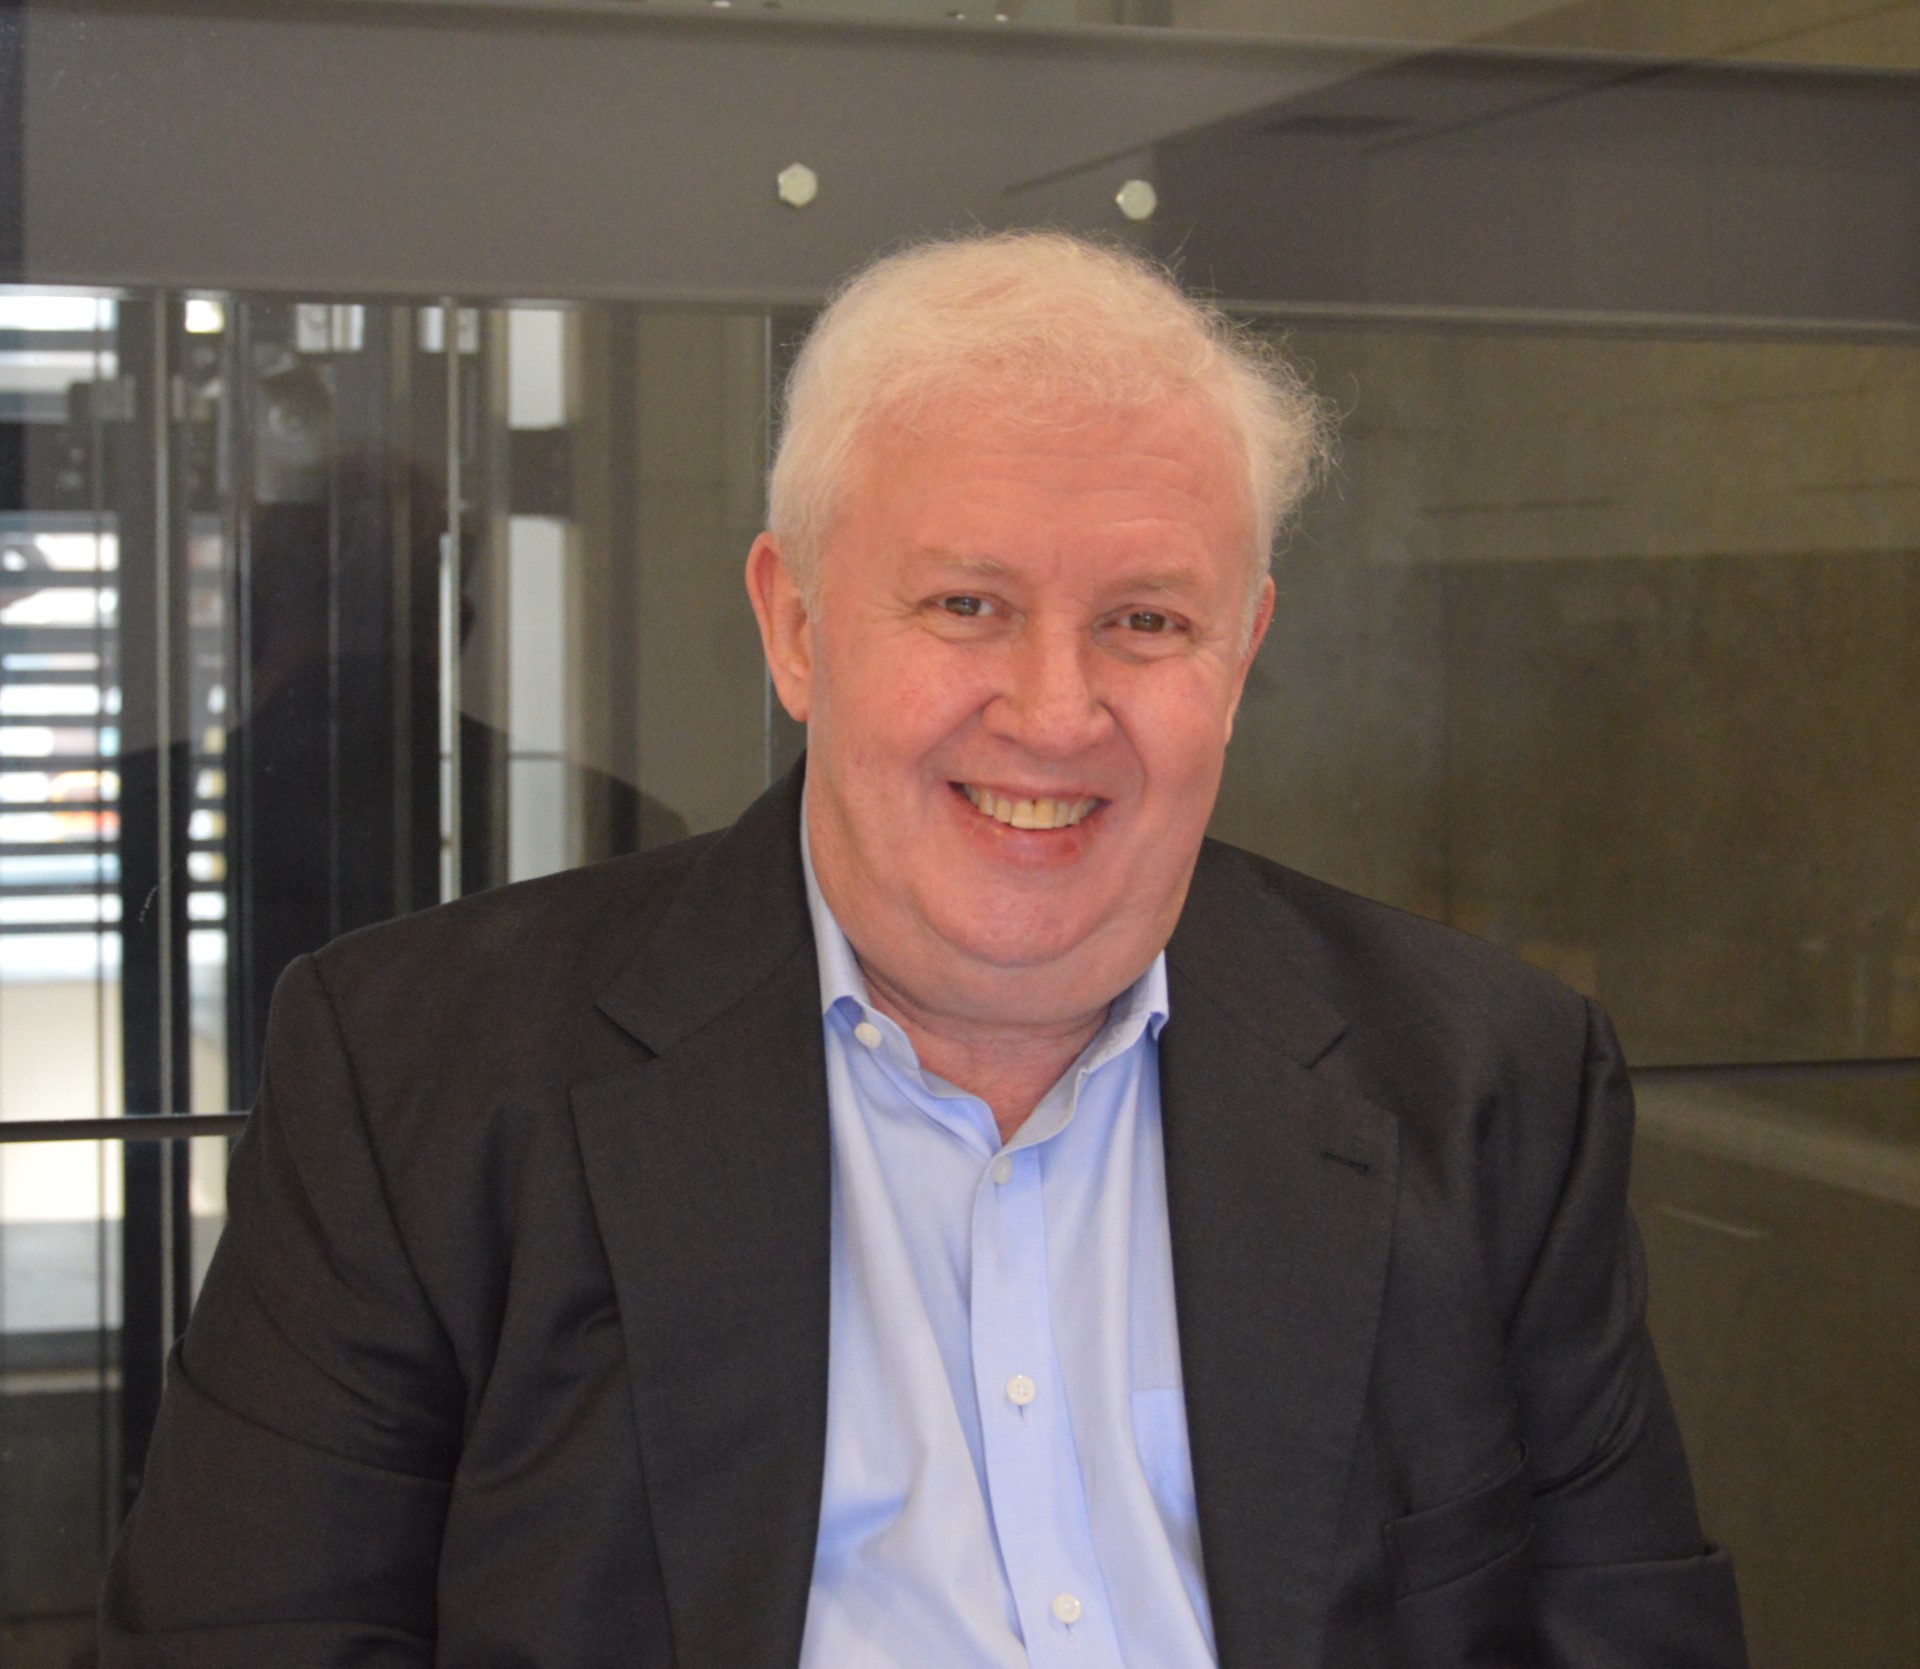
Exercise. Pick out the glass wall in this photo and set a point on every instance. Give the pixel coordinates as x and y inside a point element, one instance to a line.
<point>1608,648</point>
<point>384,405</point>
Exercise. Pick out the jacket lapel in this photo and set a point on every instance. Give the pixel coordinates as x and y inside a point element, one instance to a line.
<point>709,1172</point>
<point>1280,1191</point>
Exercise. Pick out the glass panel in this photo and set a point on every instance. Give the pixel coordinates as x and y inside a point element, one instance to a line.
<point>1782,1221</point>
<point>64,395</point>
<point>58,1420</point>
<point>1604,649</point>
<point>62,1249</point>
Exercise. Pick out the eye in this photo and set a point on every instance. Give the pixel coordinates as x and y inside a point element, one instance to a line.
<point>1147,620</point>
<point>963,607</point>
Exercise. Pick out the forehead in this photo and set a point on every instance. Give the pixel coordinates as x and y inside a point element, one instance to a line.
<point>1007,488</point>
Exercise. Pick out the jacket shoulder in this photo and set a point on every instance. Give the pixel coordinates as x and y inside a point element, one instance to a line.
<point>1419,998</point>
<point>544,945</point>
<point>1341,934</point>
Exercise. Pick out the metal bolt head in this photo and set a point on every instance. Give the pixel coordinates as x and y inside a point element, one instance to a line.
<point>1137,200</point>
<point>797,185</point>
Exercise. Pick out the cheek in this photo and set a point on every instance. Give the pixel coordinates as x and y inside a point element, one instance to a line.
<point>895,706</point>
<point>1180,739</point>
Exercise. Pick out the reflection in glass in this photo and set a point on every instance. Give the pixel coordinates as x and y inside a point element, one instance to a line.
<point>1604,648</point>
<point>60,1203</point>
<point>1782,1221</point>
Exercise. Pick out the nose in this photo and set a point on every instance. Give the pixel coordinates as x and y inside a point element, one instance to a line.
<point>1050,703</point>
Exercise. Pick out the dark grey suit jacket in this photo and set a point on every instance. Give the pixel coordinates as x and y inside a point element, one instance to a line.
<point>515,1350</point>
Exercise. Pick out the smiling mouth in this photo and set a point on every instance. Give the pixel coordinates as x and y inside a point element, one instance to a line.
<point>1028,814</point>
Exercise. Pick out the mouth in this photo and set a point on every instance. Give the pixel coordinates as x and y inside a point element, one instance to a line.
<point>1042,813</point>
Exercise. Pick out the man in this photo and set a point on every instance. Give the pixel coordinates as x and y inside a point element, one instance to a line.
<point>954,1218</point>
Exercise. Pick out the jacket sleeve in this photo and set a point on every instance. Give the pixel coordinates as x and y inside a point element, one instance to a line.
<point>293,1499</point>
<point>1623,1577</point>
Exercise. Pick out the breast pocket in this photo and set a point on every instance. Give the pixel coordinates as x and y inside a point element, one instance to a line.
<point>1462,1576</point>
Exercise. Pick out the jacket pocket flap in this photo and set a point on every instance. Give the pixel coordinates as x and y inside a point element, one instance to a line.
<point>1444,1542</point>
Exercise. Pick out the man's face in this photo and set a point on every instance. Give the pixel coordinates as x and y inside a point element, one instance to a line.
<point>1018,684</point>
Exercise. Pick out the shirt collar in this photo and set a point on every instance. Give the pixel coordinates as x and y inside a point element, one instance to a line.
<point>840,976</point>
<point>1141,1007</point>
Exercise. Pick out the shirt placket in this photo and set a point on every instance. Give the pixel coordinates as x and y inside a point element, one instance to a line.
<point>1036,1497</point>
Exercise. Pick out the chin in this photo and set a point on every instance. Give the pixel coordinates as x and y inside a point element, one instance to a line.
<point>1020,943</point>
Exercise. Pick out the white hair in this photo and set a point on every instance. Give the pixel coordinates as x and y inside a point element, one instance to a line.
<point>1034,327</point>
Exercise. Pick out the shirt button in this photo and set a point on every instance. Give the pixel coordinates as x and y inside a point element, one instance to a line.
<point>1066,1608</point>
<point>1021,1390</point>
<point>1003,1169</point>
<point>868,1033</point>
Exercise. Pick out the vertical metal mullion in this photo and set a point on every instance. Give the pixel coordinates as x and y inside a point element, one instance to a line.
<point>245,1024</point>
<point>336,731</point>
<point>417,740</point>
<point>12,248</point>
<point>619,658</point>
<point>143,1269</point>
<point>480,721</point>
<point>110,1493</point>
<point>174,654</point>
<point>366,548</point>
<point>173,661</point>
<point>451,846</point>
<point>398,338</point>
<point>156,1246</point>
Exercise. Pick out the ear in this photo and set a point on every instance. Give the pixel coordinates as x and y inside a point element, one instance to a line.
<point>785,633</point>
<point>1262,619</point>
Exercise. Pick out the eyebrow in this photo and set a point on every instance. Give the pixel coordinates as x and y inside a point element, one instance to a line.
<point>1159,582</point>
<point>986,567</point>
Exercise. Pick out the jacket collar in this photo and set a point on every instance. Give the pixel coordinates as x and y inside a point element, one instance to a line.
<point>740,914</point>
<point>1232,943</point>
<point>742,910</point>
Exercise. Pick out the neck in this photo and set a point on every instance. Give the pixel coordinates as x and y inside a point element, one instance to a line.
<point>1009,1066</point>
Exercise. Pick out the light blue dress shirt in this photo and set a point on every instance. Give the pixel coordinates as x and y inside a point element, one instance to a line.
<point>1007,1473</point>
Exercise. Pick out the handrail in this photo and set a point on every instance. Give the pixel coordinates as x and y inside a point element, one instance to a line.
<point>141,1127</point>
<point>166,1127</point>
<point>1867,1066</point>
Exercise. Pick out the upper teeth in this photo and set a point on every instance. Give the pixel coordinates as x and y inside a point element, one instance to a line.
<point>1029,814</point>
